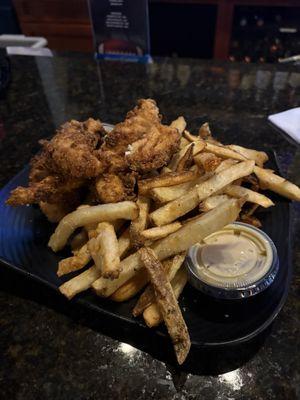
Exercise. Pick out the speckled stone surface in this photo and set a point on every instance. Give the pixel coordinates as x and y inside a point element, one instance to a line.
<point>51,349</point>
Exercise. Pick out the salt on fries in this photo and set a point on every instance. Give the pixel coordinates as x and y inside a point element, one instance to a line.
<point>167,304</point>
<point>146,253</point>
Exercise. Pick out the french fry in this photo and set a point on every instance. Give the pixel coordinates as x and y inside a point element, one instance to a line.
<point>186,160</point>
<point>213,202</point>
<point>177,242</point>
<point>80,283</point>
<point>204,131</point>
<point>106,246</point>
<point>93,246</point>
<point>224,152</point>
<point>78,261</point>
<point>179,207</point>
<point>179,124</point>
<point>131,287</point>
<point>166,194</point>
<point>169,179</point>
<point>183,143</point>
<point>208,161</point>
<point>140,223</point>
<point>253,197</point>
<point>260,157</point>
<point>268,180</point>
<point>82,217</point>
<point>124,243</point>
<point>160,231</point>
<point>176,208</point>
<point>229,162</point>
<point>199,145</point>
<point>148,296</point>
<point>223,178</point>
<point>251,220</point>
<point>152,314</point>
<point>78,240</point>
<point>92,228</point>
<point>165,170</point>
<point>167,303</point>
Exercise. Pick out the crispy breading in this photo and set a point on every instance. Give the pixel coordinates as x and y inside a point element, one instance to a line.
<point>136,125</point>
<point>51,189</point>
<point>80,151</point>
<point>110,188</point>
<point>73,149</point>
<point>154,150</point>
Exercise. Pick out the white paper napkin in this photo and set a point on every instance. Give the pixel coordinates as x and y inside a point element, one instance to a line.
<point>289,122</point>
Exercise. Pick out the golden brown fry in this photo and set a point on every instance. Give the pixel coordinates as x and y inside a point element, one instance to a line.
<point>176,208</point>
<point>268,180</point>
<point>208,161</point>
<point>152,314</point>
<point>223,178</point>
<point>93,246</point>
<point>213,202</point>
<point>108,249</point>
<point>80,282</point>
<point>140,223</point>
<point>251,220</point>
<point>179,124</point>
<point>165,170</point>
<point>102,212</point>
<point>183,143</point>
<point>204,131</point>
<point>78,261</point>
<point>124,243</point>
<point>148,296</point>
<point>79,240</point>
<point>199,145</point>
<point>260,157</point>
<point>225,164</point>
<point>131,287</point>
<point>179,207</point>
<point>186,160</point>
<point>160,231</point>
<point>166,194</point>
<point>167,303</point>
<point>224,152</point>
<point>92,228</point>
<point>253,197</point>
<point>169,179</point>
<point>177,242</point>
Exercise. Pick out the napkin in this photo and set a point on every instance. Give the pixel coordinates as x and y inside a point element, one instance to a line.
<point>289,122</point>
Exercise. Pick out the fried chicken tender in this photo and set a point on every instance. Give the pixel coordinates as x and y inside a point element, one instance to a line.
<point>73,149</point>
<point>51,189</point>
<point>141,142</point>
<point>112,188</point>
<point>82,157</point>
<point>154,150</point>
<point>63,166</point>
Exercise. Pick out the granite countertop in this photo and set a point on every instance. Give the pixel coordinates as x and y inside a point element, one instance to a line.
<point>50,349</point>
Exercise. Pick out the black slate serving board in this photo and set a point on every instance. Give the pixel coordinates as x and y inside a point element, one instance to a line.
<point>24,233</point>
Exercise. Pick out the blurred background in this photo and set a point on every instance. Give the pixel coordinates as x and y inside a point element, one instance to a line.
<point>237,30</point>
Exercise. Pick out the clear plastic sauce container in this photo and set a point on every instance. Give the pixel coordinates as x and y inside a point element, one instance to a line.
<point>236,262</point>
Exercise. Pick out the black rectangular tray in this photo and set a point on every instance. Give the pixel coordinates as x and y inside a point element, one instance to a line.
<point>24,234</point>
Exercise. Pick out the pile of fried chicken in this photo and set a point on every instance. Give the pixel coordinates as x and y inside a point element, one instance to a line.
<point>83,162</point>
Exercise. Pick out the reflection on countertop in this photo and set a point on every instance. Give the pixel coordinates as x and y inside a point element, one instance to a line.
<point>50,348</point>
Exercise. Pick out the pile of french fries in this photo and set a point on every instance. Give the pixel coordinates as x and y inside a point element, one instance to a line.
<point>139,246</point>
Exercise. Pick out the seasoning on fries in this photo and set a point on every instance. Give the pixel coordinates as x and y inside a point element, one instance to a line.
<point>148,192</point>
